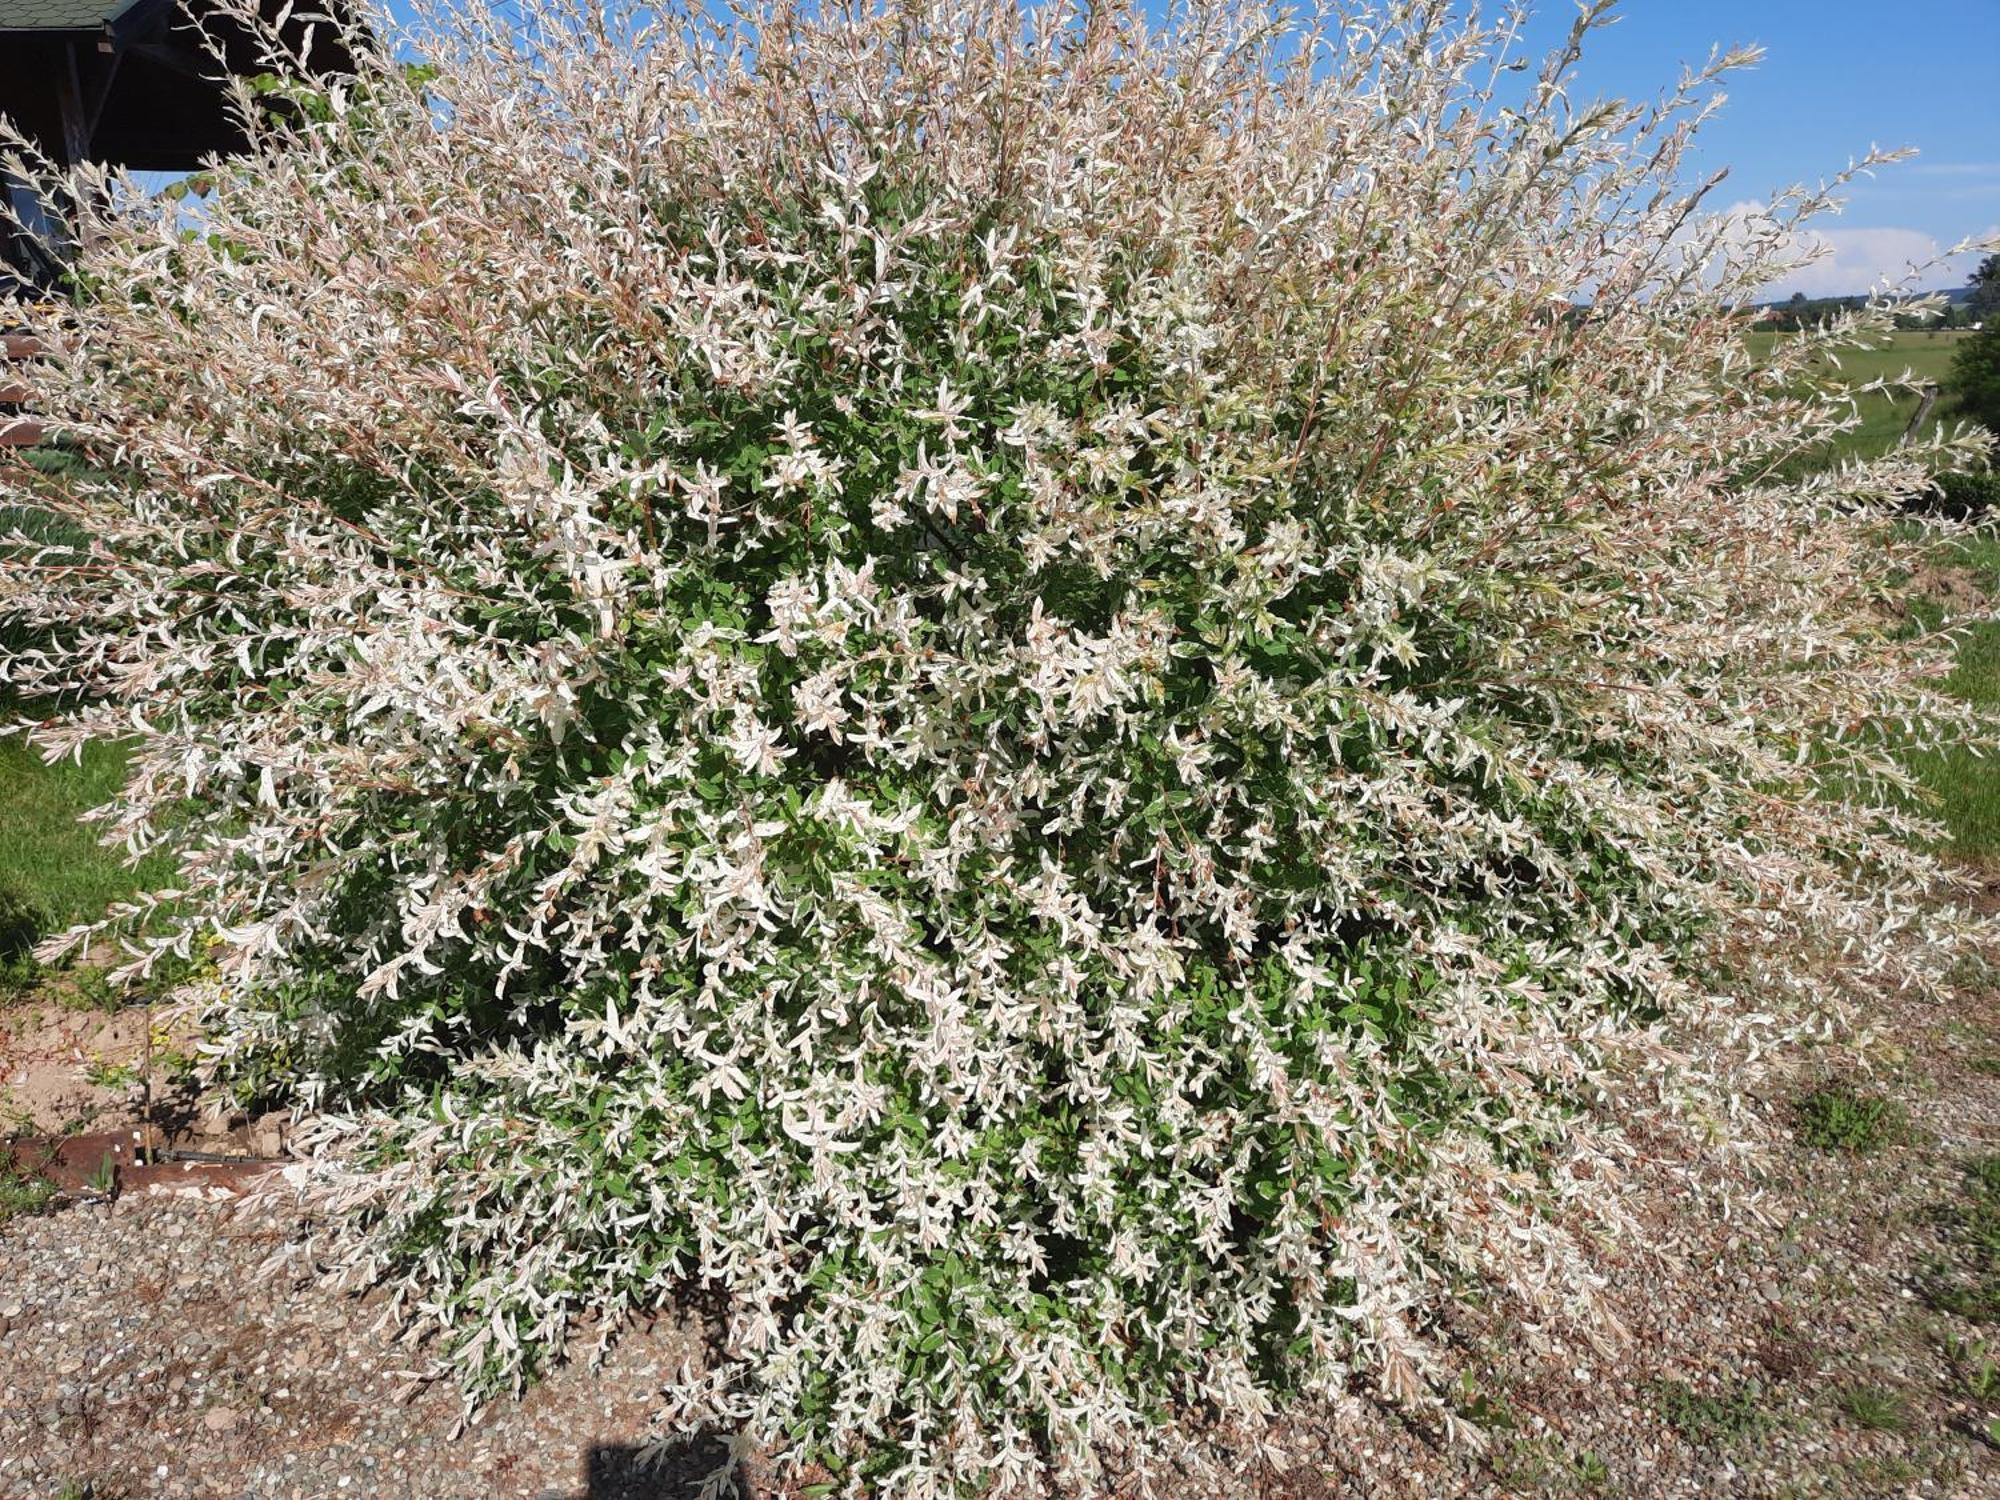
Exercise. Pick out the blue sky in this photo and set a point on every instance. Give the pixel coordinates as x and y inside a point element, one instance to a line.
<point>1838,77</point>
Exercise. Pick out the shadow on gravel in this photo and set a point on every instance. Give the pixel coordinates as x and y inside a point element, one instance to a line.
<point>613,1471</point>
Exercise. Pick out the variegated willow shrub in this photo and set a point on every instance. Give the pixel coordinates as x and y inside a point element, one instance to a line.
<point>1047,699</point>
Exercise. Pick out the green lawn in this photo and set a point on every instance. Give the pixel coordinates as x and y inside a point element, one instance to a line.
<point>1927,355</point>
<point>45,854</point>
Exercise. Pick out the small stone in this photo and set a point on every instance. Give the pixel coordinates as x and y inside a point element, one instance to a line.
<point>267,1136</point>
<point>220,1418</point>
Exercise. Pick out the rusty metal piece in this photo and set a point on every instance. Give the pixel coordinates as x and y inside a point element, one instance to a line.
<point>108,1164</point>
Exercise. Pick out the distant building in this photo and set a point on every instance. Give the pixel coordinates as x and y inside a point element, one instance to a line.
<point>126,82</point>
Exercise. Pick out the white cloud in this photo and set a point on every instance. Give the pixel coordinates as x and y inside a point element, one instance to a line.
<point>1846,262</point>
<point>1856,260</point>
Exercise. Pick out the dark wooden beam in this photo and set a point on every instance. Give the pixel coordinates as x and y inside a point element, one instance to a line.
<point>75,119</point>
<point>176,57</point>
<point>104,85</point>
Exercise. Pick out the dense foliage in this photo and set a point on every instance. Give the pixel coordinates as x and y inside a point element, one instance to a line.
<point>1022,691</point>
<point>1966,497</point>
<point>1984,288</point>
<point>1975,375</point>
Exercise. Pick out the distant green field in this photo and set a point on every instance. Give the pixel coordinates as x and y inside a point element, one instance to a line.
<point>1926,355</point>
<point>1967,787</point>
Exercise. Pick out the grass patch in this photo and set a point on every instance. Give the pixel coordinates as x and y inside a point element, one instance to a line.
<point>1736,1415</point>
<point>53,872</point>
<point>1487,1409</point>
<point>1967,787</point>
<point>86,989</point>
<point>107,1075</point>
<point>21,1193</point>
<point>1876,1409</point>
<point>1927,355</point>
<point>48,859</point>
<point>1589,1470</point>
<point>1544,1464</point>
<point>1974,1369</point>
<point>1970,1286</point>
<point>49,862</point>
<point>22,922</point>
<point>1840,1118</point>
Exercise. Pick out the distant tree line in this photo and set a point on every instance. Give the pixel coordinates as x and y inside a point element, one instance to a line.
<point>1812,312</point>
<point>1805,312</point>
<point>1975,368</point>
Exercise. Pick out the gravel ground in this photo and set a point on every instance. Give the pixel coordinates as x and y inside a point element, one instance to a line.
<point>1784,1334</point>
<point>1783,1341</point>
<point>164,1345</point>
